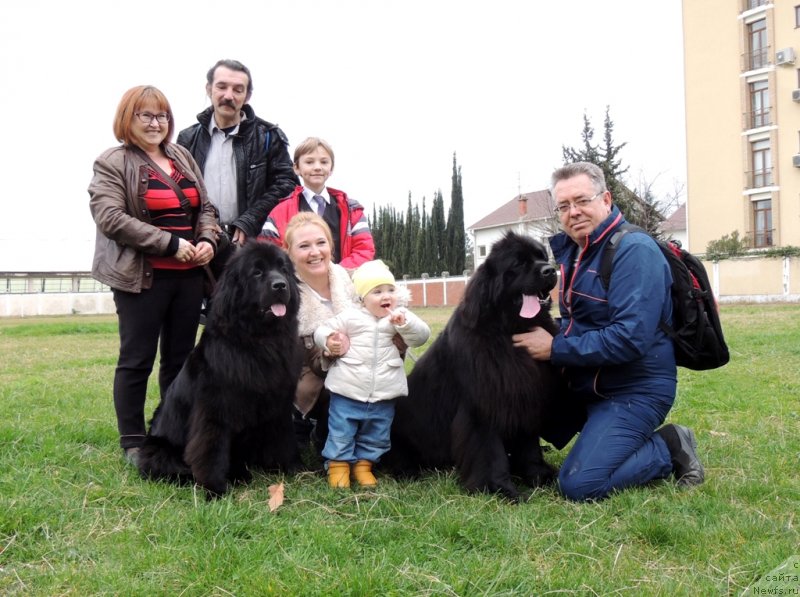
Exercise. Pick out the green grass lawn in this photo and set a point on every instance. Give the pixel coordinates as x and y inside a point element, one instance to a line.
<point>76,520</point>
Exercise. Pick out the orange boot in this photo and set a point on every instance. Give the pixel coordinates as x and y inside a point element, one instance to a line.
<point>362,472</point>
<point>338,474</point>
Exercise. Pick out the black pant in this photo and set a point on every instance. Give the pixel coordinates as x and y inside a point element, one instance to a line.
<point>169,311</point>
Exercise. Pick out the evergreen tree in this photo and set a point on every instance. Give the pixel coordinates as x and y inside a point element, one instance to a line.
<point>415,241</point>
<point>613,170</point>
<point>612,167</point>
<point>456,247</point>
<point>414,224</point>
<point>404,250</point>
<point>589,153</point>
<point>422,246</point>
<point>375,229</point>
<point>386,225</point>
<point>639,211</point>
<point>438,238</point>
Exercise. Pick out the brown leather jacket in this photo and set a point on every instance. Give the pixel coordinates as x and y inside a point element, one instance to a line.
<point>124,232</point>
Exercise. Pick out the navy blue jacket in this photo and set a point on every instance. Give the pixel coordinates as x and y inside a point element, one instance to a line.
<point>610,342</point>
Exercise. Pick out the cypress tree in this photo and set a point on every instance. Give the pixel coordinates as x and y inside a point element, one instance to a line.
<point>438,239</point>
<point>456,244</point>
<point>422,246</point>
<point>375,229</point>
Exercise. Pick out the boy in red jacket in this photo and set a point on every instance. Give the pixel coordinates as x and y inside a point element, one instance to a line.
<point>352,239</point>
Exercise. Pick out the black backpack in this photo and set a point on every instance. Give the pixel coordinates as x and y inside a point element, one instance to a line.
<point>696,331</point>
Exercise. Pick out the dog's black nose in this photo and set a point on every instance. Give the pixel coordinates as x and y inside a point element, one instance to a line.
<point>548,270</point>
<point>279,285</point>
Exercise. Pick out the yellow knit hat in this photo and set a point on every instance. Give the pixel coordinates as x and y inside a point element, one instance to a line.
<point>371,274</point>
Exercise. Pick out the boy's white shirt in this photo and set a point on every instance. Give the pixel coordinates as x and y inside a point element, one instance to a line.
<point>309,196</point>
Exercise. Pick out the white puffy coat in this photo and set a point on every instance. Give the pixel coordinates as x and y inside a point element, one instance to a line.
<point>371,370</point>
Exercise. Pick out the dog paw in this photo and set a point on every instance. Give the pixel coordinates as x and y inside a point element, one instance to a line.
<point>541,476</point>
<point>510,494</point>
<point>215,490</point>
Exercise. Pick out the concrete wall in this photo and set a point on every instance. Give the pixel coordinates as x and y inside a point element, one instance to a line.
<point>52,303</point>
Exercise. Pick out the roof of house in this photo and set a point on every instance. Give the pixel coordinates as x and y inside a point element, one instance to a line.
<point>677,221</point>
<point>538,205</point>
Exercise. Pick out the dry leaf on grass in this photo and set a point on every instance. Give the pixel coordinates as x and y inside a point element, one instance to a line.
<point>275,497</point>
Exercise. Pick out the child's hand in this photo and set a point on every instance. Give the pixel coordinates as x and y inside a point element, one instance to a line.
<point>397,317</point>
<point>337,344</point>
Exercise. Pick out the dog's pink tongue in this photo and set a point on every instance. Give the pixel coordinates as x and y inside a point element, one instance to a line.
<point>530,306</point>
<point>278,310</point>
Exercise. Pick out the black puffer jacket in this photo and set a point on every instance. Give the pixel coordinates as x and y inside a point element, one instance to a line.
<point>264,169</point>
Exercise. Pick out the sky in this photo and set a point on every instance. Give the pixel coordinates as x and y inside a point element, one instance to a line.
<point>396,88</point>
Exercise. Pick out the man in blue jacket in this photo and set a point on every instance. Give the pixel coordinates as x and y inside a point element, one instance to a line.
<point>618,364</point>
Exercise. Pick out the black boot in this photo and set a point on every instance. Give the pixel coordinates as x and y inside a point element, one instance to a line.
<point>682,446</point>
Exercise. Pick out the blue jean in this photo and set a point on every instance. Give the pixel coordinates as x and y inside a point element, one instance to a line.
<point>617,447</point>
<point>358,430</point>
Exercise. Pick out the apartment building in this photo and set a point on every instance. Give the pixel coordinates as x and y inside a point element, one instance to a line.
<point>742,74</point>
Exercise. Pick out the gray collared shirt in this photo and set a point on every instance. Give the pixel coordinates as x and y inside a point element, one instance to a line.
<point>220,172</point>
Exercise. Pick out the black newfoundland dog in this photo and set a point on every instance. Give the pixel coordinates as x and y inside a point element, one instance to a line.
<point>230,408</point>
<point>474,400</point>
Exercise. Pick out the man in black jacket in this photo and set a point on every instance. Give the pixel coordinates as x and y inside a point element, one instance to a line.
<point>245,160</point>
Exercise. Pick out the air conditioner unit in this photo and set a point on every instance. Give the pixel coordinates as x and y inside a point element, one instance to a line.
<point>784,56</point>
<point>796,160</point>
<point>796,95</point>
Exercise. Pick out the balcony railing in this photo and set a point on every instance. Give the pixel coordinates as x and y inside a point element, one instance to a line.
<point>762,238</point>
<point>759,178</point>
<point>754,59</point>
<point>757,118</point>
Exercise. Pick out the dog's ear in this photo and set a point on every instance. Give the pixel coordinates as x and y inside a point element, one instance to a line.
<point>227,295</point>
<point>477,296</point>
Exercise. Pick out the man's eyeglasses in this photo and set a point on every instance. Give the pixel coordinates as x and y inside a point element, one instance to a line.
<point>147,118</point>
<point>563,208</point>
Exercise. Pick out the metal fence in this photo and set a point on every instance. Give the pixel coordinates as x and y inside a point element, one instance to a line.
<point>29,283</point>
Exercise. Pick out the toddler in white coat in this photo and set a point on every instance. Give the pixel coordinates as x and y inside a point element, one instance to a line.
<point>367,377</point>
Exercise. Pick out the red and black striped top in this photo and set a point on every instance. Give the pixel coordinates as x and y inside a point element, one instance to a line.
<point>166,213</point>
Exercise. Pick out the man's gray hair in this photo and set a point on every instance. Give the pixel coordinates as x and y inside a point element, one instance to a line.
<point>234,65</point>
<point>594,172</point>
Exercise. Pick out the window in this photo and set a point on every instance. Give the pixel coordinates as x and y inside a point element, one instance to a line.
<point>796,17</point>
<point>762,223</point>
<point>482,251</point>
<point>759,54</point>
<point>762,163</point>
<point>759,105</point>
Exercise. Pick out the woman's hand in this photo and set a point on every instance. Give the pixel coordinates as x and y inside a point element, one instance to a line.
<point>185,252</point>
<point>203,253</point>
